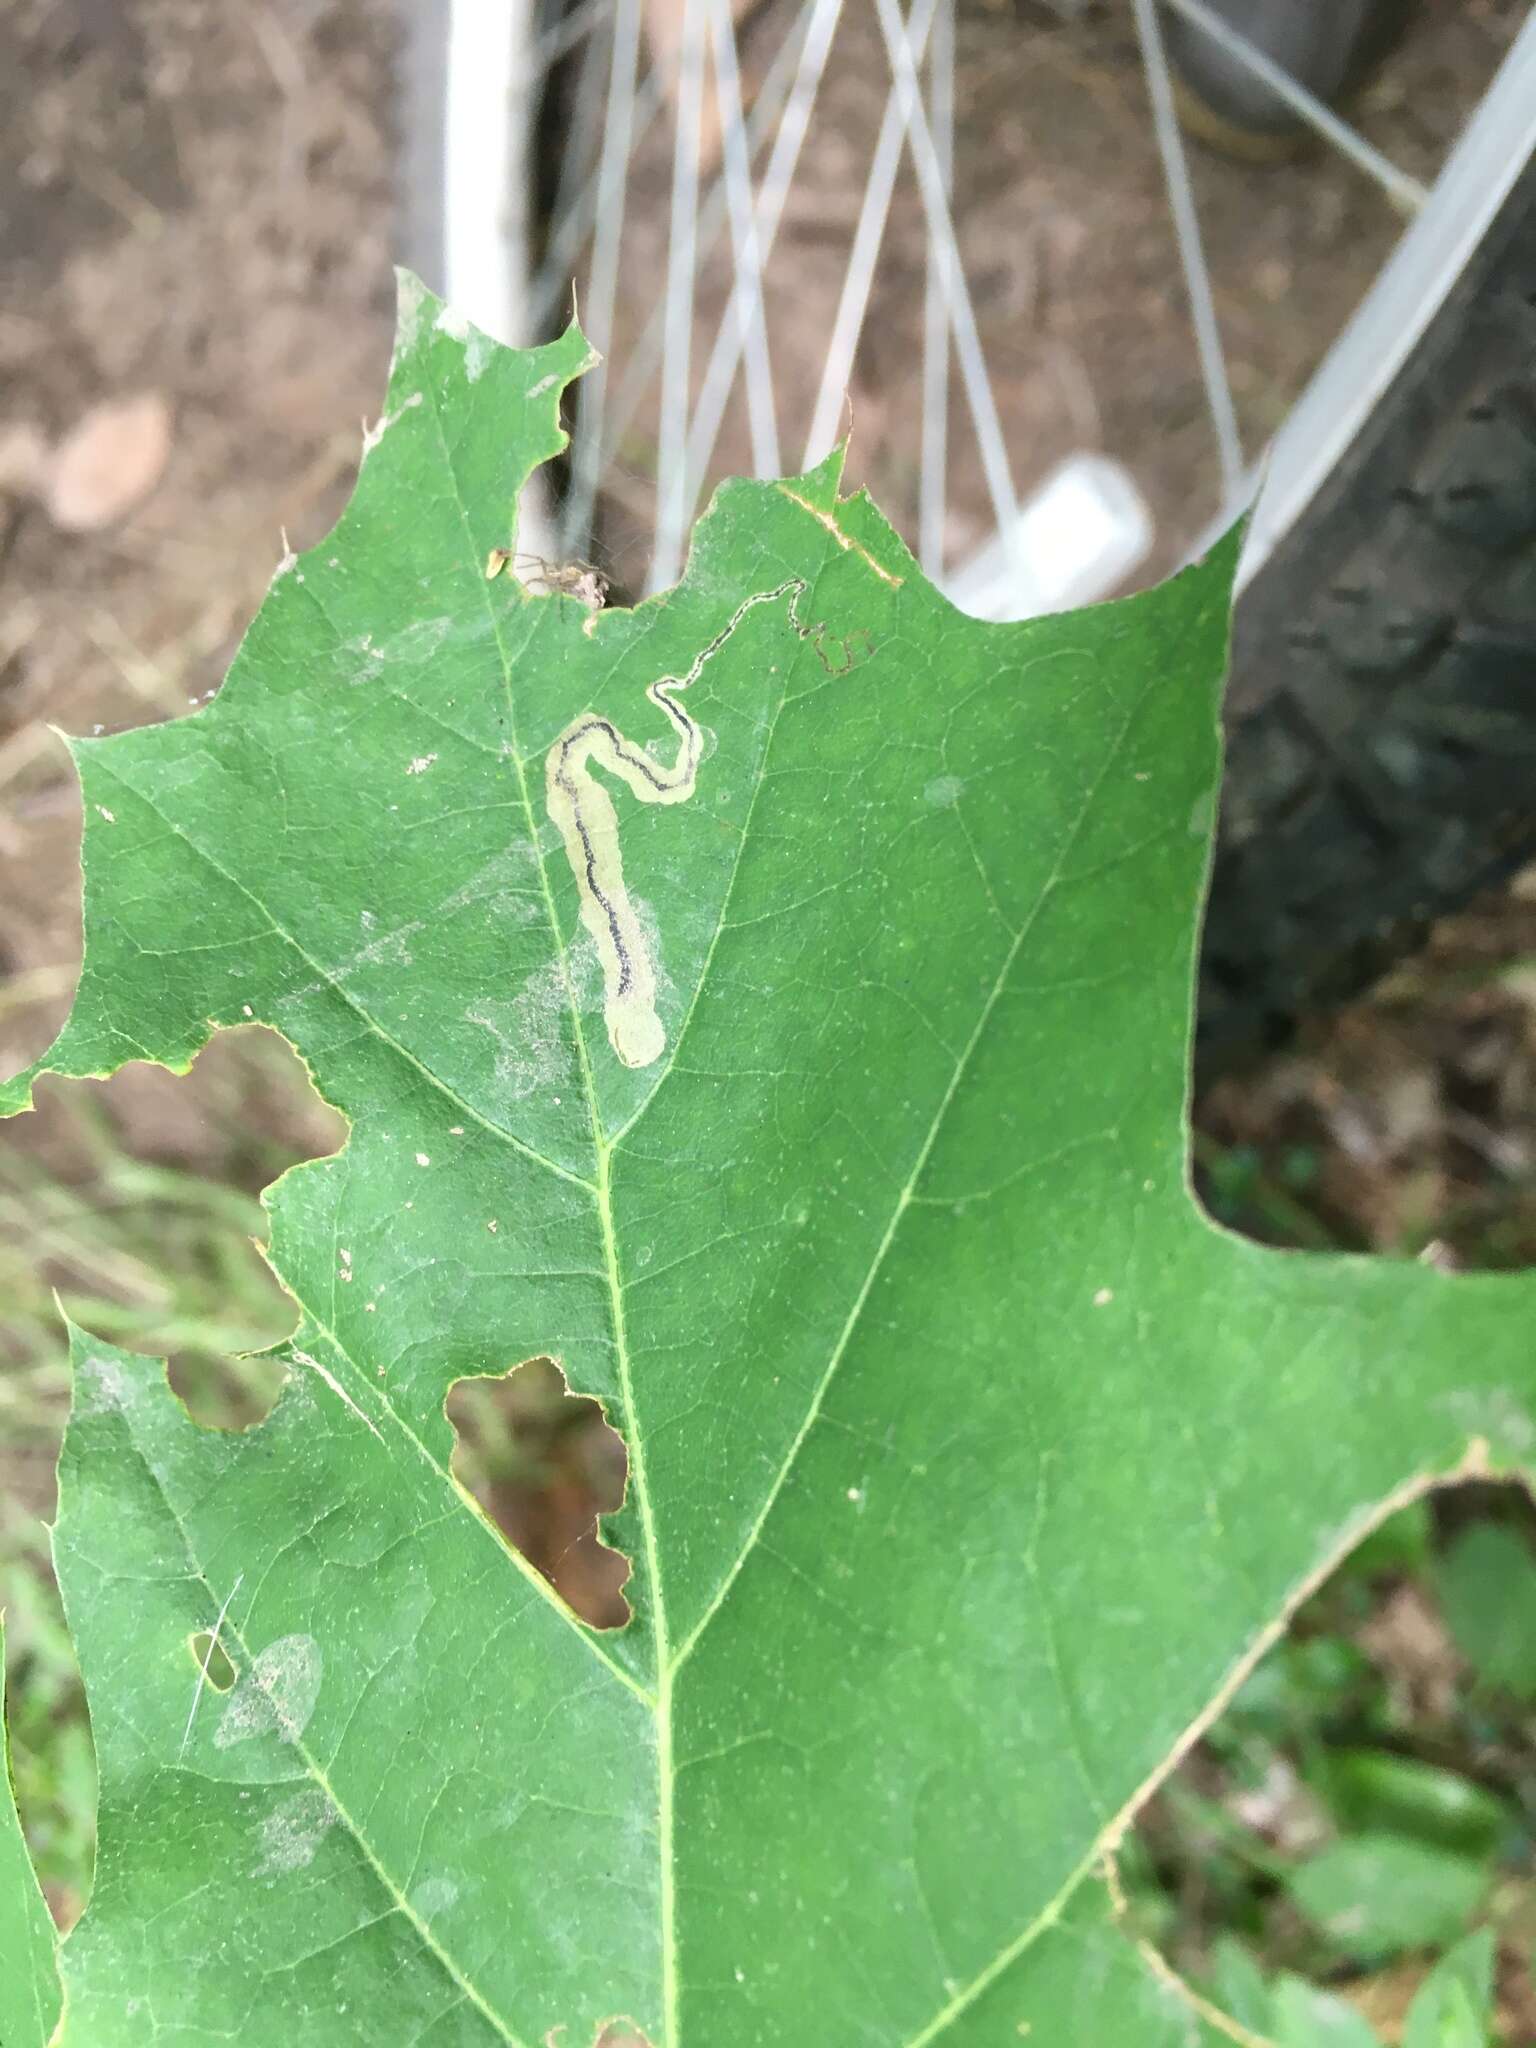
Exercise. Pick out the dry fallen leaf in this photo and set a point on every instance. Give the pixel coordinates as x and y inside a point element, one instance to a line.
<point>23,458</point>
<point>109,461</point>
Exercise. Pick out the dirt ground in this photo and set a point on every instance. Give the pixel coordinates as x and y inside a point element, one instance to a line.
<point>198,206</point>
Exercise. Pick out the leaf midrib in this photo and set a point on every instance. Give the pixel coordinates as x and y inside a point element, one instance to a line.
<point>603,1203</point>
<point>908,1191</point>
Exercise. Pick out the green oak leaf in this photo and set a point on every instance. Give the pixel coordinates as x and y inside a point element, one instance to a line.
<point>29,1975</point>
<point>797,1053</point>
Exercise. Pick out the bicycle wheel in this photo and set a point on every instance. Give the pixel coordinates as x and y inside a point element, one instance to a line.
<point>757,171</point>
<point>1382,723</point>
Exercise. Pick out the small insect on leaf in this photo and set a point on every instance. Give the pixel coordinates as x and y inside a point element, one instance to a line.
<point>581,580</point>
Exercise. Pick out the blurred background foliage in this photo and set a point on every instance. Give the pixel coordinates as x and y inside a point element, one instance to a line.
<point>1367,1798</point>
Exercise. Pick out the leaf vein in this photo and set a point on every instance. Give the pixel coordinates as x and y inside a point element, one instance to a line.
<point>905,1194</point>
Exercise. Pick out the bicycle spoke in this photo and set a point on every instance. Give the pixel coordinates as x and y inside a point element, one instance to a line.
<point>715,391</point>
<point>570,230</point>
<point>682,270</point>
<point>1197,278</point>
<point>747,295</point>
<point>580,158</point>
<point>941,234</point>
<point>1405,191</point>
<point>932,475</point>
<point>645,353</point>
<point>568,31</point>
<point>862,257</point>
<point>602,282</point>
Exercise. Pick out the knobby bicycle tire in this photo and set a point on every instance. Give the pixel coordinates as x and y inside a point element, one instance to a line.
<point>1381,714</point>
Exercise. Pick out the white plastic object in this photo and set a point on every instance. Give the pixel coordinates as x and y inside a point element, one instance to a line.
<point>1075,539</point>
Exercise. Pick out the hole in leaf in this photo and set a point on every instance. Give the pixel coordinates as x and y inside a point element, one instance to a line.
<point>1350,1850</point>
<point>230,1393</point>
<point>544,1464</point>
<point>137,1200</point>
<point>210,1659</point>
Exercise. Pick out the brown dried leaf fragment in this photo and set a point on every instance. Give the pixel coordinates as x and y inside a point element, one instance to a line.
<point>107,463</point>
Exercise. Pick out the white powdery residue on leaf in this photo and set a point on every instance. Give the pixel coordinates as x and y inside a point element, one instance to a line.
<point>650,927</point>
<point>944,791</point>
<point>1496,1413</point>
<point>110,816</point>
<point>418,642</point>
<point>373,435</point>
<point>538,390</point>
<point>357,660</point>
<point>508,874</point>
<point>293,1831</point>
<point>532,1029</point>
<point>478,351</point>
<point>498,875</point>
<point>478,345</point>
<point>391,949</point>
<point>101,1385</point>
<point>412,297</point>
<point>432,1896</point>
<point>421,764</point>
<point>276,1696</point>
